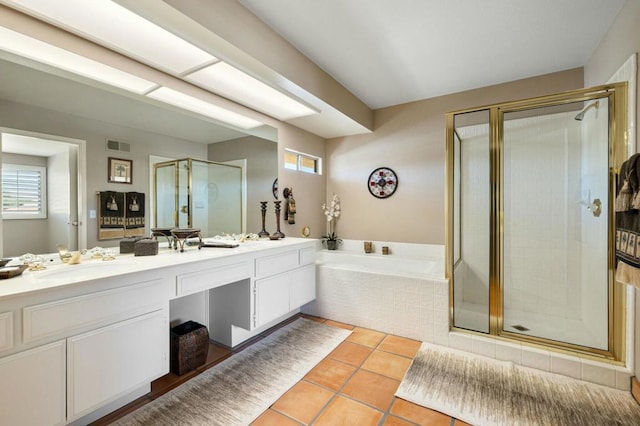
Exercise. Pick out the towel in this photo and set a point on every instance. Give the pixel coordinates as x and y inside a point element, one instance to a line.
<point>628,191</point>
<point>135,210</point>
<point>111,209</point>
<point>627,208</point>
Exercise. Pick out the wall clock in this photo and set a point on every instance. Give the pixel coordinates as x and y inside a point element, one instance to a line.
<point>383,182</point>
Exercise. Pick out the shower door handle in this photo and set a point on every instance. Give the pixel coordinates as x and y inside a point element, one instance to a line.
<point>596,207</point>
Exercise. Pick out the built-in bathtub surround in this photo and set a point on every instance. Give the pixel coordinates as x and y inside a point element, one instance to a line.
<point>405,293</point>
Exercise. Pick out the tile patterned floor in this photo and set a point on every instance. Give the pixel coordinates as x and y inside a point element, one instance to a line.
<point>353,385</point>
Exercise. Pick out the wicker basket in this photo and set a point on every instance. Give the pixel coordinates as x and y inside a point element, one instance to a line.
<point>189,347</point>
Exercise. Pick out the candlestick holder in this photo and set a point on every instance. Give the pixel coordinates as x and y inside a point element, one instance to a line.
<point>263,211</point>
<point>278,233</point>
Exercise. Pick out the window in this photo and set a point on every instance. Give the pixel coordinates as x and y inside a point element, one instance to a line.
<point>307,163</point>
<point>24,194</point>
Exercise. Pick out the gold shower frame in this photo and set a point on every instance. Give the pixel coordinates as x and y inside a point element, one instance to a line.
<point>175,163</point>
<point>618,153</point>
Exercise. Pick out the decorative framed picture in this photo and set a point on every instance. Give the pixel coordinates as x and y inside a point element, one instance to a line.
<point>120,170</point>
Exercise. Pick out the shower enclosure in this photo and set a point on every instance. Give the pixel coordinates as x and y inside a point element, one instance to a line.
<point>192,193</point>
<point>530,193</point>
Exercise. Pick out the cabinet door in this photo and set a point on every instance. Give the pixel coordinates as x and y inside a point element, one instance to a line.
<point>33,386</point>
<point>272,298</point>
<point>303,286</point>
<point>110,362</point>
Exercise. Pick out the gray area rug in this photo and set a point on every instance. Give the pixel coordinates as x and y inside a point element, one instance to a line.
<point>482,391</point>
<point>239,389</point>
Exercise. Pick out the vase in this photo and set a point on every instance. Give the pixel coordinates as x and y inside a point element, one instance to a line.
<point>332,245</point>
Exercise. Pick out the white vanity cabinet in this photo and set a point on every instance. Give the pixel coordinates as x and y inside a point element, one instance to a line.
<point>74,346</point>
<point>112,361</point>
<point>284,282</point>
<point>33,390</point>
<point>272,298</point>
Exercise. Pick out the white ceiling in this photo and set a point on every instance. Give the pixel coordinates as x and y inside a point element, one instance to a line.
<point>388,52</point>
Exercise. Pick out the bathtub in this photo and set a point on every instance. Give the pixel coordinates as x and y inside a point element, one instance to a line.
<point>403,293</point>
<point>391,265</point>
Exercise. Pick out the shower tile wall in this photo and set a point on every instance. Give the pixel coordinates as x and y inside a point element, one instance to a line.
<point>542,249</point>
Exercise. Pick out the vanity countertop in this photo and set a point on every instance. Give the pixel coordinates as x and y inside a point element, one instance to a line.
<point>92,269</point>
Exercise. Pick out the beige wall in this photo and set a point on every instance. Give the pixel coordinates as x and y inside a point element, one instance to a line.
<point>620,42</point>
<point>308,189</point>
<point>410,139</point>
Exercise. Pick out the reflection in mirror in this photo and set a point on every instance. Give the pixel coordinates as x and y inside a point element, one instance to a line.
<point>193,193</point>
<point>34,98</point>
<point>40,193</point>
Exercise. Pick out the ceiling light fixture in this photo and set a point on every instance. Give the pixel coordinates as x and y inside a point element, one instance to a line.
<point>234,84</point>
<point>23,45</point>
<point>116,27</point>
<point>182,100</point>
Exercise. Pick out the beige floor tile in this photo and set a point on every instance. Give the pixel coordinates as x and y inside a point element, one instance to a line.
<point>371,388</point>
<point>273,418</point>
<point>387,364</point>
<point>418,414</point>
<point>347,412</point>
<point>303,401</point>
<point>366,337</point>
<point>396,421</point>
<point>400,346</point>
<point>350,353</point>
<point>330,373</point>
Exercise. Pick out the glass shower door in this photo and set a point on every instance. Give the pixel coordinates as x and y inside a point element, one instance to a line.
<point>471,230</point>
<point>555,167</point>
<point>165,187</point>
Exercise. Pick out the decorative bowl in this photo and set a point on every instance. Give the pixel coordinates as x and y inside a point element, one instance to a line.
<point>12,271</point>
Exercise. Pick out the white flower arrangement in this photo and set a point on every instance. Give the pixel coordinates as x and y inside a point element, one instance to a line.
<point>333,211</point>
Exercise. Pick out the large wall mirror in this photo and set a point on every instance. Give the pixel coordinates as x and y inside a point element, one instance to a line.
<point>62,123</point>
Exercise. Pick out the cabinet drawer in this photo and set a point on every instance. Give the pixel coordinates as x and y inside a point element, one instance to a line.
<point>96,309</point>
<point>195,282</point>
<point>307,256</point>
<point>6,331</point>
<point>271,265</point>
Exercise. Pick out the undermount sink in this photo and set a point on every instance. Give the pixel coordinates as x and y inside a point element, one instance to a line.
<point>87,270</point>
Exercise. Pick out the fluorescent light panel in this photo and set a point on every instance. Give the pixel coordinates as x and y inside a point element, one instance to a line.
<point>115,26</point>
<point>40,51</point>
<point>225,80</point>
<point>182,100</point>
